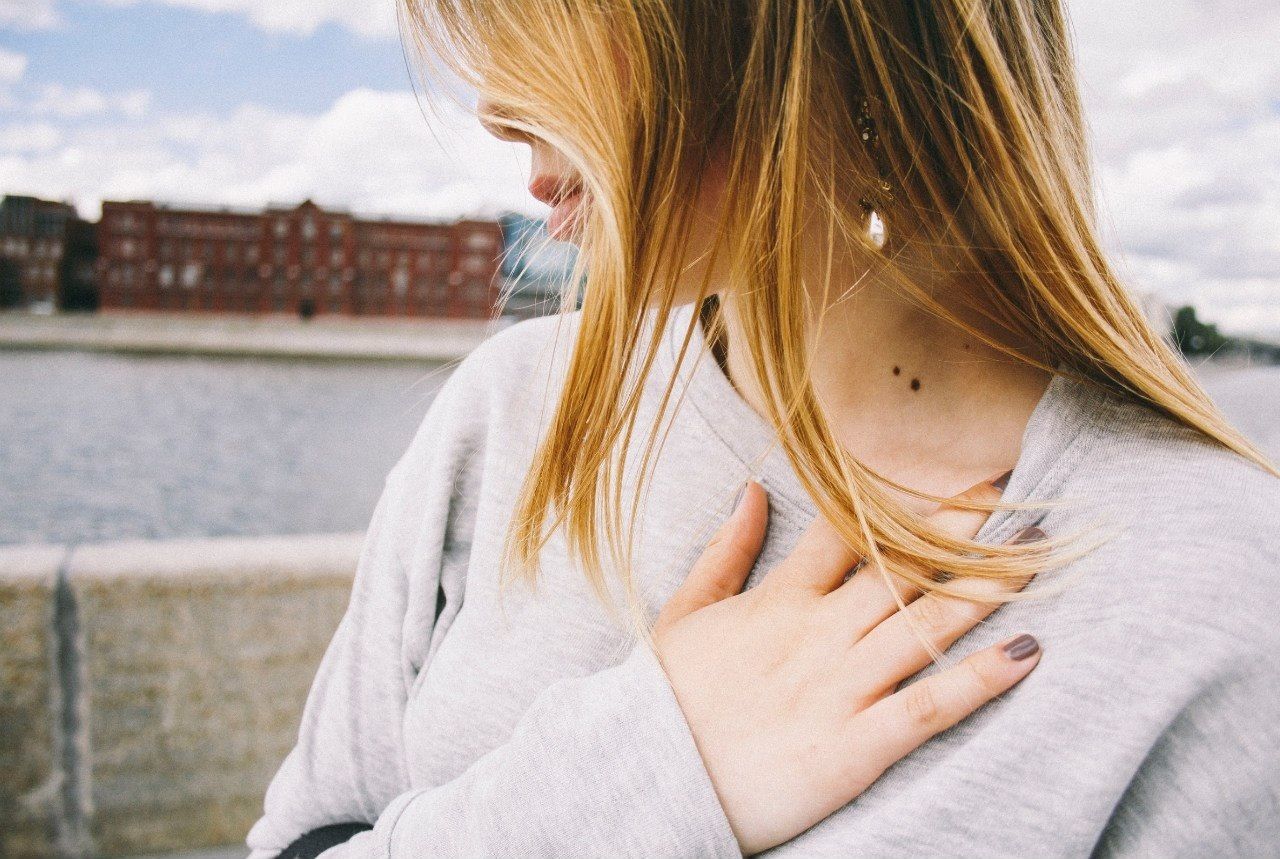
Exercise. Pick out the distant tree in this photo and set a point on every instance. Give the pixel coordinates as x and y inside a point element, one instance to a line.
<point>1194,337</point>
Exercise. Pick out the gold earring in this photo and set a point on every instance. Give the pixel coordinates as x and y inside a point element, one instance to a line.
<point>875,201</point>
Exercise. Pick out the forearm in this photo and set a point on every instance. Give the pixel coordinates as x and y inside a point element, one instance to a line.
<point>602,765</point>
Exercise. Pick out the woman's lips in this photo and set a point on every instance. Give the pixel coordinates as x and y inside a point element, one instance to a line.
<point>564,214</point>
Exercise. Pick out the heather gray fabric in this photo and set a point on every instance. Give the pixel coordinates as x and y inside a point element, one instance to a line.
<point>532,726</point>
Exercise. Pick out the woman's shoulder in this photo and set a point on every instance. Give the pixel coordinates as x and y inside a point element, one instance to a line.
<point>1178,471</point>
<point>1194,526</point>
<point>522,352</point>
<point>500,389</point>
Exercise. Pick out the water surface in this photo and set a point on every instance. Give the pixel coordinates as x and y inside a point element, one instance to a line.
<point>100,446</point>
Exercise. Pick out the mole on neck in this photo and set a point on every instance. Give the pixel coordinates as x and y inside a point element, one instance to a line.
<point>915,382</point>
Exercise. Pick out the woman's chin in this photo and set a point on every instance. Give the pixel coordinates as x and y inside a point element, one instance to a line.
<point>564,223</point>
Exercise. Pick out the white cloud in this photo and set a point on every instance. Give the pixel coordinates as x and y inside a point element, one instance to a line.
<point>69,103</point>
<point>1184,105</point>
<point>373,152</point>
<point>1183,102</point>
<point>29,137</point>
<point>12,66</point>
<point>27,14</point>
<point>369,18</point>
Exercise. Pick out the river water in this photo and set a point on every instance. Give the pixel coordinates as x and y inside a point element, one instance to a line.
<point>101,446</point>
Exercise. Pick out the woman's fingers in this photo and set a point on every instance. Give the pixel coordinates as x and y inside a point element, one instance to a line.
<point>820,559</point>
<point>725,563</point>
<point>903,721</point>
<point>866,599</point>
<point>895,649</point>
<point>966,523</point>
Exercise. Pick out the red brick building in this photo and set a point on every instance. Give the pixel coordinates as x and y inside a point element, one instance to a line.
<point>46,255</point>
<point>294,260</point>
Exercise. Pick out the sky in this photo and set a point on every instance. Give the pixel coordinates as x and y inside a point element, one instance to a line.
<point>256,102</point>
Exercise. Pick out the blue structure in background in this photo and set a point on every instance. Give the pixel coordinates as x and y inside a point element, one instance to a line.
<point>534,268</point>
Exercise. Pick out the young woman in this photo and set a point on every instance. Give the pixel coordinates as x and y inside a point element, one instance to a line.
<point>843,248</point>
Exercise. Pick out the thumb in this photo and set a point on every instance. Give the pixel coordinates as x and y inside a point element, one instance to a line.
<point>722,568</point>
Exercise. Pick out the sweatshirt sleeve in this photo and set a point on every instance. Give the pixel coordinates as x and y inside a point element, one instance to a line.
<point>603,765</point>
<point>349,761</point>
<point>1210,786</point>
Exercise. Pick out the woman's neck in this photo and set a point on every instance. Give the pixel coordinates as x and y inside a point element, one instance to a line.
<point>915,398</point>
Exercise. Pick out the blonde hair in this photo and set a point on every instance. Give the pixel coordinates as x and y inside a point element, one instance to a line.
<point>982,152</point>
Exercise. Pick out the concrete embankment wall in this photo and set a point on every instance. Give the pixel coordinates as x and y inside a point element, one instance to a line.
<point>331,337</point>
<point>152,688</point>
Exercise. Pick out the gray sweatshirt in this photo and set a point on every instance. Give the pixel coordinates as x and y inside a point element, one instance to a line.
<point>530,723</point>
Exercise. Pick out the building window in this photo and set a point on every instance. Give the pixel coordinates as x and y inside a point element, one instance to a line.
<point>166,276</point>
<point>309,229</point>
<point>277,293</point>
<point>400,282</point>
<point>282,228</point>
<point>190,275</point>
<point>480,241</point>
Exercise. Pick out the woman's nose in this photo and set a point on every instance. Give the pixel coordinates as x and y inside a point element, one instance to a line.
<point>491,116</point>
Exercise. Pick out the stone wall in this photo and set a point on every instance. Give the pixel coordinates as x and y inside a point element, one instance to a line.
<point>29,787</point>
<point>150,689</point>
<point>337,337</point>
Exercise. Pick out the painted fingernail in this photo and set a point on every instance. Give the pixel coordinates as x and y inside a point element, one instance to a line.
<point>1003,480</point>
<point>1022,647</point>
<point>1029,534</point>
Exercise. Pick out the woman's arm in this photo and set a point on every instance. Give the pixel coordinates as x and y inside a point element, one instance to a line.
<point>349,760</point>
<point>791,688</point>
<point>1210,785</point>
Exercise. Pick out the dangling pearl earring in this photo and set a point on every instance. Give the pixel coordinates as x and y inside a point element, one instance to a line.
<point>875,201</point>
<point>876,232</point>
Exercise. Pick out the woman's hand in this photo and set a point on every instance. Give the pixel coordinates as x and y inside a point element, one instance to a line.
<point>789,687</point>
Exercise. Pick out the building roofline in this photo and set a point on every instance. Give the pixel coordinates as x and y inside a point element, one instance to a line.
<point>278,208</point>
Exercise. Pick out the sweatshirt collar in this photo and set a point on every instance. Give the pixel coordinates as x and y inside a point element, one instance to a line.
<point>1058,435</point>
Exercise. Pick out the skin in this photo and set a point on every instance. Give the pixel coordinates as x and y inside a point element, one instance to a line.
<point>955,410</point>
<point>790,688</point>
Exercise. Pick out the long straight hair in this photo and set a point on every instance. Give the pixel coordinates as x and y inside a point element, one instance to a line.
<point>979,153</point>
